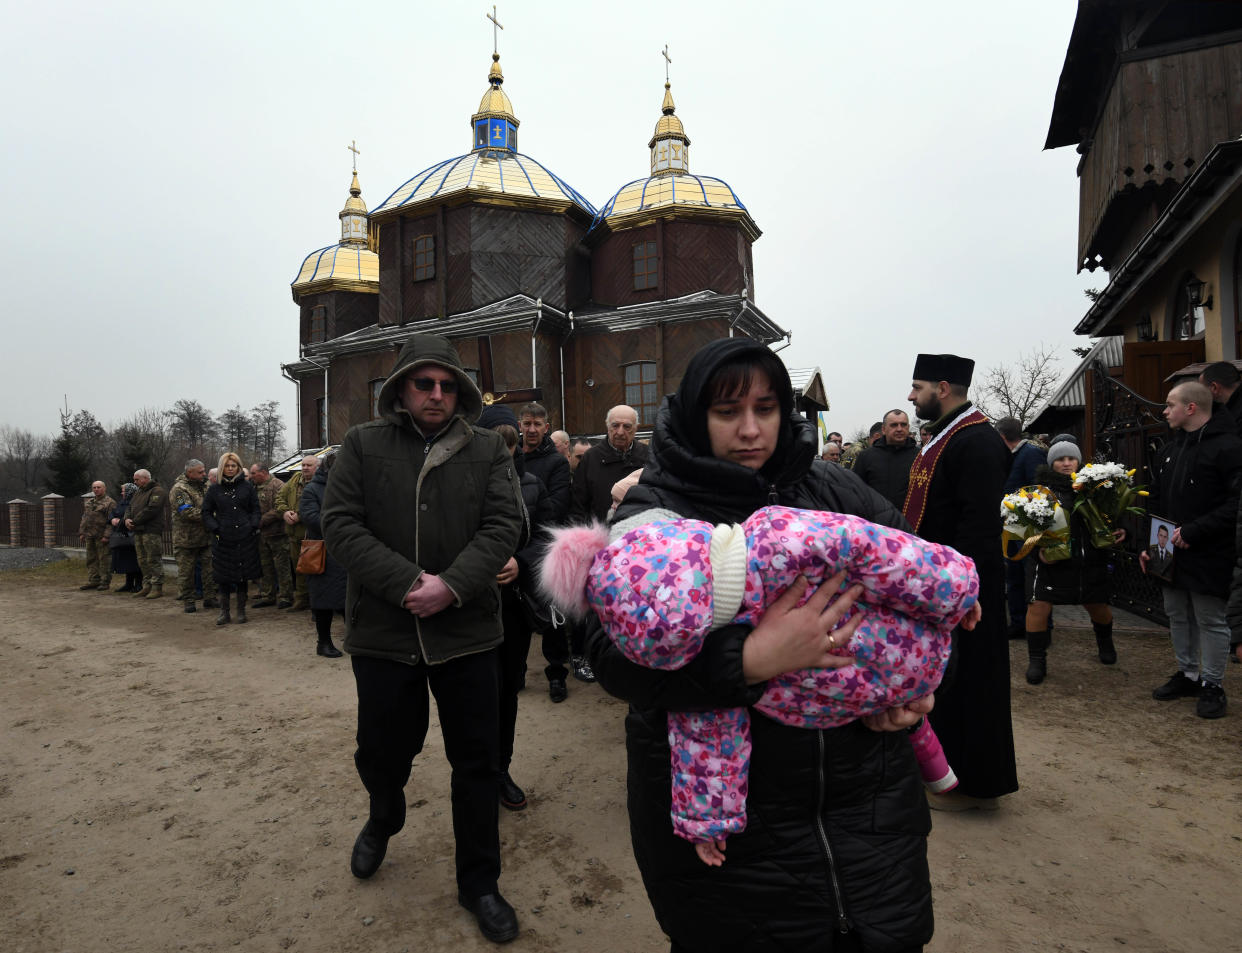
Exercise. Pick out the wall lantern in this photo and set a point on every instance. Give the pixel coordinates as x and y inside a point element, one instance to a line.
<point>1144,330</point>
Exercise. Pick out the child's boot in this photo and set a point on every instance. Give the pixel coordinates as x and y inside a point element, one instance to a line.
<point>934,768</point>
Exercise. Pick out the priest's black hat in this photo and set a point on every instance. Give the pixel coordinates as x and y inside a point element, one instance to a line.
<point>944,367</point>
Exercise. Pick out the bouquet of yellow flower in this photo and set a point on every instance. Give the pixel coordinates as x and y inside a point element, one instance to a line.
<point>1033,516</point>
<point>1104,493</point>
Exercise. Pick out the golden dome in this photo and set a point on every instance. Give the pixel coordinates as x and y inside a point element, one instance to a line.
<point>354,203</point>
<point>668,126</point>
<point>338,268</point>
<point>495,103</point>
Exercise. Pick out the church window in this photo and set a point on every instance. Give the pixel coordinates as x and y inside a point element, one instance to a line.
<point>424,257</point>
<point>375,393</point>
<point>321,418</point>
<point>640,390</point>
<point>644,265</point>
<point>318,324</point>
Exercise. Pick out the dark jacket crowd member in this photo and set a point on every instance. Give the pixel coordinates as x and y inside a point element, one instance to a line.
<point>885,466</point>
<point>956,485</point>
<point>121,542</point>
<point>1025,458</point>
<point>424,510</point>
<point>326,590</point>
<point>1195,486</point>
<point>1081,580</point>
<point>834,855</point>
<point>231,515</point>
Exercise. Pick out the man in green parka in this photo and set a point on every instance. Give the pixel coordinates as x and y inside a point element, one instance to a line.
<point>423,510</point>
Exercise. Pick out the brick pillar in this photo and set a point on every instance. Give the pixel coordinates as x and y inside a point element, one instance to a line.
<point>53,513</point>
<point>16,511</point>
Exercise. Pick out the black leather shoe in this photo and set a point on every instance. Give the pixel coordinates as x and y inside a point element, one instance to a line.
<point>558,691</point>
<point>328,650</point>
<point>263,603</point>
<point>497,921</point>
<point>369,850</point>
<point>512,797</point>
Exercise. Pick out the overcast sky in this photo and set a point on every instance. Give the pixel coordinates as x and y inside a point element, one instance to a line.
<point>169,166</point>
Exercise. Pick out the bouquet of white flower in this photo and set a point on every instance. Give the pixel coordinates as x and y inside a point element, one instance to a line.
<point>1104,493</point>
<point>1033,516</point>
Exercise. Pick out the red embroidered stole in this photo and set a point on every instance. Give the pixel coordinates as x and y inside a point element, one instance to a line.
<point>924,467</point>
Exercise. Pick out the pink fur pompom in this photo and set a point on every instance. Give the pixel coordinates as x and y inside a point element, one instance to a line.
<point>566,564</point>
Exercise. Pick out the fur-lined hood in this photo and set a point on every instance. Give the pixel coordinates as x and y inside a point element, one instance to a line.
<point>429,349</point>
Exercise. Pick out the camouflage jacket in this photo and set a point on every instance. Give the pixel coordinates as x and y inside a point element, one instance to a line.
<point>271,523</point>
<point>187,512</point>
<point>95,517</point>
<point>146,509</point>
<point>287,499</point>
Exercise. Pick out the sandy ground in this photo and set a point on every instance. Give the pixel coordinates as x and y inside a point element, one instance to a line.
<point>169,785</point>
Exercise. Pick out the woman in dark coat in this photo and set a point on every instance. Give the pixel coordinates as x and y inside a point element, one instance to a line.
<point>121,542</point>
<point>1081,580</point>
<point>327,590</point>
<point>231,515</point>
<point>834,855</point>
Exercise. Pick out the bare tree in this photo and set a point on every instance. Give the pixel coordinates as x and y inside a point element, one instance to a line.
<point>268,429</point>
<point>23,458</point>
<point>191,423</point>
<point>236,429</point>
<point>1018,389</point>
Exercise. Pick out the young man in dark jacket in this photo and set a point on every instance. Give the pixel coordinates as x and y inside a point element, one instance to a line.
<point>1195,486</point>
<point>1024,459</point>
<point>540,457</point>
<point>424,510</point>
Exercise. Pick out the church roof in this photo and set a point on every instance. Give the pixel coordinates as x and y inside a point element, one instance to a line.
<point>671,186</point>
<point>493,172</point>
<point>500,178</point>
<point>342,267</point>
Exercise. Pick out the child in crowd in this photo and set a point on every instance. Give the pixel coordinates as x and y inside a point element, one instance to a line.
<point>664,583</point>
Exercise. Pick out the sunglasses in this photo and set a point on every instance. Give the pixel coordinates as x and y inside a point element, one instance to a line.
<point>429,384</point>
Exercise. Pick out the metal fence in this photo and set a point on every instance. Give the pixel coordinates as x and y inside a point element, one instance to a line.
<point>65,533</point>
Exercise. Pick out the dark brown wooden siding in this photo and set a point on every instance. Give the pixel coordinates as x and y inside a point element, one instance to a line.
<point>694,256</point>
<point>1161,117</point>
<point>344,311</point>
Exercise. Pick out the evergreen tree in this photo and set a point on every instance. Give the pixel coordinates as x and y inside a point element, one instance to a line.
<point>133,451</point>
<point>68,462</point>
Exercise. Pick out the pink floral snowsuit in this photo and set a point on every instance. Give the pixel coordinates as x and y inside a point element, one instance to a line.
<point>656,592</point>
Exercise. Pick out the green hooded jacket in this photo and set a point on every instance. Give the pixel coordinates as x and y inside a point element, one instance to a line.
<point>399,503</point>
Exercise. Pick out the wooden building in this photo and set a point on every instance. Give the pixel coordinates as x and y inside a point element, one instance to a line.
<point>1150,94</point>
<point>544,296</point>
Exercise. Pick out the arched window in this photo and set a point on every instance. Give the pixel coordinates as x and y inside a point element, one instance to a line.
<point>640,390</point>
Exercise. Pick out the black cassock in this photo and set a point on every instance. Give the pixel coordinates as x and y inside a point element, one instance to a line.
<point>971,715</point>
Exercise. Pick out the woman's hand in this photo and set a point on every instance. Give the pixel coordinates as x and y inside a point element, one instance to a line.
<point>1119,537</point>
<point>903,716</point>
<point>791,637</point>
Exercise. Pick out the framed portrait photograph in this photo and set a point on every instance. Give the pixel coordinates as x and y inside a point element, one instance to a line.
<point>1160,548</point>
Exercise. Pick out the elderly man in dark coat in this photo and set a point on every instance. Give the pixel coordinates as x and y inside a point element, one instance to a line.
<point>956,485</point>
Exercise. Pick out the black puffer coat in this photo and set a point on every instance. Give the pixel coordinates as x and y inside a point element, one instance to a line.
<point>1083,578</point>
<point>836,820</point>
<point>327,590</point>
<point>231,515</point>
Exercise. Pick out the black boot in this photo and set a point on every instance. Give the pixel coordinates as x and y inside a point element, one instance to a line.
<point>1037,649</point>
<point>1104,642</point>
<point>241,604</point>
<point>224,618</point>
<point>326,648</point>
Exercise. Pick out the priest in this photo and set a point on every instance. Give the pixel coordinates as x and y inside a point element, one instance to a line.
<point>954,497</point>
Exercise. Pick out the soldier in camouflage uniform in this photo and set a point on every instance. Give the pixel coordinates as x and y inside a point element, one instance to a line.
<point>191,542</point>
<point>145,520</point>
<point>273,547</point>
<point>94,531</point>
<point>287,501</point>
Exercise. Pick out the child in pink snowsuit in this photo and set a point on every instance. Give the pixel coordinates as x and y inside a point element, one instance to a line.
<point>662,585</point>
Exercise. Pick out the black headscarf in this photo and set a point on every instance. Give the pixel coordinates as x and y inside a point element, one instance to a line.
<point>682,464</point>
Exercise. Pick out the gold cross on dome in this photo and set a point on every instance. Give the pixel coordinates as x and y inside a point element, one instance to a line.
<point>667,61</point>
<point>353,147</point>
<point>496,25</point>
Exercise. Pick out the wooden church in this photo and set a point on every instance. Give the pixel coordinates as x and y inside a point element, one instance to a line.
<point>545,296</point>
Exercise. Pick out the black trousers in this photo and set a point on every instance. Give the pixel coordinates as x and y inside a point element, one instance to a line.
<point>512,657</point>
<point>393,716</point>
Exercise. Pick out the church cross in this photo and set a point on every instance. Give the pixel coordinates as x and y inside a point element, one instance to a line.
<point>496,25</point>
<point>667,62</point>
<point>353,147</point>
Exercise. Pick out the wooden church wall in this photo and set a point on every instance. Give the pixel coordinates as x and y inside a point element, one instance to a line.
<point>344,311</point>
<point>612,268</point>
<point>602,356</point>
<point>700,256</point>
<point>308,429</point>
<point>513,252</point>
